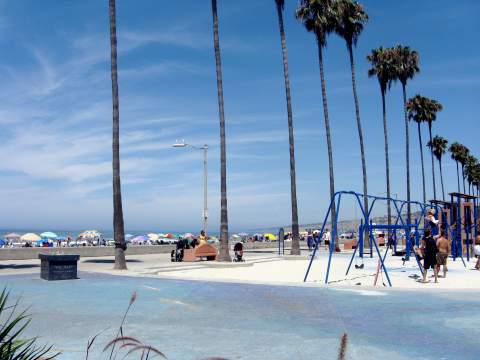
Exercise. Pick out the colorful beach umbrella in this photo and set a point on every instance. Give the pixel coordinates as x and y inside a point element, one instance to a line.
<point>90,234</point>
<point>30,237</point>
<point>153,237</point>
<point>139,238</point>
<point>49,235</point>
<point>270,237</point>
<point>12,236</point>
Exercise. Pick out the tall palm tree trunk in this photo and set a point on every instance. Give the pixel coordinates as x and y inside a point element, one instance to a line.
<point>329,140</point>
<point>441,178</point>
<point>433,164</point>
<point>463,178</point>
<point>421,158</point>
<point>407,153</point>
<point>224,254</point>
<point>291,140</point>
<point>360,132</point>
<point>118,226</point>
<point>458,176</point>
<point>387,160</point>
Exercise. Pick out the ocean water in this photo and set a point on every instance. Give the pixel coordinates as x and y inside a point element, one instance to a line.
<point>190,320</point>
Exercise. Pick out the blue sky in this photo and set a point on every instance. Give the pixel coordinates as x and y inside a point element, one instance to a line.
<point>55,109</point>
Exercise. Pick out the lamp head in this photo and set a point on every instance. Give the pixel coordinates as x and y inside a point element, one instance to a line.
<point>179,144</point>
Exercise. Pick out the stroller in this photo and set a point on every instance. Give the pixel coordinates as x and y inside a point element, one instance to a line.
<point>177,254</point>
<point>238,249</point>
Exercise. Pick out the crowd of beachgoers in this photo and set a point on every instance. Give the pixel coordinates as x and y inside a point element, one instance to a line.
<point>96,238</point>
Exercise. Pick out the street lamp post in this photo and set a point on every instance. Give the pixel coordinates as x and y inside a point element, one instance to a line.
<point>183,144</point>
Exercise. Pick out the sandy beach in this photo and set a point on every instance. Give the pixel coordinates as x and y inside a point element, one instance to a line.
<point>266,267</point>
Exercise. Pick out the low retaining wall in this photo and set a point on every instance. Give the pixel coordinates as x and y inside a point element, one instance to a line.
<point>83,251</point>
<point>97,251</point>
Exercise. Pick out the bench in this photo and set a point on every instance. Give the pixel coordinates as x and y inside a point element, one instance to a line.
<point>205,251</point>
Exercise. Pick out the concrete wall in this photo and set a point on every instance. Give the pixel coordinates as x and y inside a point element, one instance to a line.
<point>84,251</point>
<point>94,251</point>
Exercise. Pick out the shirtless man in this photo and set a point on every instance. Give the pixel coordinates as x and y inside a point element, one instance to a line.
<point>442,255</point>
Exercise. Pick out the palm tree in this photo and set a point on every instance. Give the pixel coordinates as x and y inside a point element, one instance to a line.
<point>471,164</point>
<point>118,226</point>
<point>414,108</point>
<point>406,66</point>
<point>422,109</point>
<point>280,4</point>
<point>351,18</point>
<point>455,152</point>
<point>438,146</point>
<point>224,254</point>
<point>463,158</point>
<point>318,17</point>
<point>382,67</point>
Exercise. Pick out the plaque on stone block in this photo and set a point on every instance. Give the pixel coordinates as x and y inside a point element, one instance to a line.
<point>58,267</point>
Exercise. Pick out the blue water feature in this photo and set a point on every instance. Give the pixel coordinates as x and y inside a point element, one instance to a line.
<point>190,320</point>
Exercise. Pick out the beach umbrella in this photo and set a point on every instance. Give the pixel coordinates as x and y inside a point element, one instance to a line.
<point>188,236</point>
<point>128,236</point>
<point>270,237</point>
<point>90,234</point>
<point>243,234</point>
<point>2,242</point>
<point>169,236</point>
<point>12,237</point>
<point>153,237</point>
<point>235,236</point>
<point>30,237</point>
<point>139,238</point>
<point>62,238</point>
<point>49,235</point>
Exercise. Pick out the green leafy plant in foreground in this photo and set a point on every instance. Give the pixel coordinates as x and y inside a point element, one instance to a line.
<point>12,325</point>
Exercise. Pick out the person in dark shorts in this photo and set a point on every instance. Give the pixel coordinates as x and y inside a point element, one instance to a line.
<point>442,255</point>
<point>430,251</point>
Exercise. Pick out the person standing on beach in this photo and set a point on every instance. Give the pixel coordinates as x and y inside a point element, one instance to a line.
<point>476,250</point>
<point>442,255</point>
<point>430,221</point>
<point>430,250</point>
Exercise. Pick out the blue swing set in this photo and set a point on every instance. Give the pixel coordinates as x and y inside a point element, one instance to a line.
<point>367,227</point>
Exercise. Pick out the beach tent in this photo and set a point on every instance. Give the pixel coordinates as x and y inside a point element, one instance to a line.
<point>270,237</point>
<point>30,237</point>
<point>12,237</point>
<point>48,235</point>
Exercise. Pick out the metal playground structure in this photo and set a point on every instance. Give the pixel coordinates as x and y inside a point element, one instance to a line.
<point>458,219</point>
